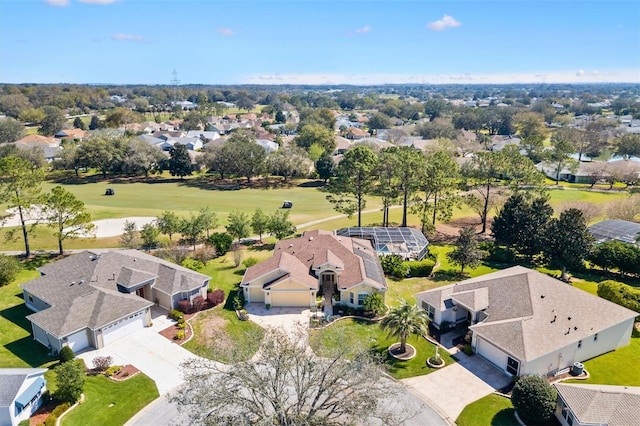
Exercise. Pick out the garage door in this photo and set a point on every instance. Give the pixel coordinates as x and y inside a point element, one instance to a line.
<point>78,341</point>
<point>291,299</point>
<point>491,353</point>
<point>123,328</point>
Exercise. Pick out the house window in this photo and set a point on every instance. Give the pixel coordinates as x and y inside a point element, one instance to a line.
<point>595,337</point>
<point>30,298</point>
<point>579,344</point>
<point>512,366</point>
<point>361,298</point>
<point>430,310</point>
<point>351,298</point>
<point>570,419</point>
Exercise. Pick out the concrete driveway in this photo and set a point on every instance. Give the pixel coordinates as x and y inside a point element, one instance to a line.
<point>457,385</point>
<point>154,355</point>
<point>287,319</point>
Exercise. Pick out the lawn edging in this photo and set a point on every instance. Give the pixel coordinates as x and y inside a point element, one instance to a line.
<point>80,401</point>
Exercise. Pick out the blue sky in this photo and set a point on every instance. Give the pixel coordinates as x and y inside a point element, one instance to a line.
<point>319,42</point>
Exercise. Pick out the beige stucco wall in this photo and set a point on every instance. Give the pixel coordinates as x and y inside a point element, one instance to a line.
<point>163,299</point>
<point>359,289</point>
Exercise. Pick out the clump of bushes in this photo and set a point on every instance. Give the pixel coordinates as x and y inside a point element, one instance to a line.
<point>467,349</point>
<point>620,294</point>
<point>221,241</point>
<point>9,268</point>
<point>113,370</point>
<point>66,354</point>
<point>250,261</point>
<point>215,297</point>
<point>176,315</point>
<point>102,363</point>
<point>197,304</point>
<point>193,264</point>
<point>420,268</point>
<point>394,266</point>
<point>57,412</point>
<point>534,399</point>
<point>179,335</point>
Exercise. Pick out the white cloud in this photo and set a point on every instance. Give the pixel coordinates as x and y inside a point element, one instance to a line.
<point>98,1</point>
<point>225,31</point>
<point>363,30</point>
<point>608,76</point>
<point>57,3</point>
<point>127,37</point>
<point>444,23</point>
<point>580,73</point>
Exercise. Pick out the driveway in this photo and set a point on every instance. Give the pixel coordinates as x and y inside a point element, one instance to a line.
<point>154,355</point>
<point>457,385</point>
<point>287,319</point>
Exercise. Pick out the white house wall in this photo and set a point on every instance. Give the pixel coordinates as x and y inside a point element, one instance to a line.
<point>608,340</point>
<point>27,411</point>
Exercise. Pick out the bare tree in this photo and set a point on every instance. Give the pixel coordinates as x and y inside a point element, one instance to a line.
<point>624,208</point>
<point>590,211</point>
<point>287,384</point>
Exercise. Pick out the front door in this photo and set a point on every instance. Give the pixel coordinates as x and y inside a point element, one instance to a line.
<point>140,292</point>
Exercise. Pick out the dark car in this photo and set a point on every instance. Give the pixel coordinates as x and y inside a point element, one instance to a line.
<point>287,205</point>
<point>109,191</point>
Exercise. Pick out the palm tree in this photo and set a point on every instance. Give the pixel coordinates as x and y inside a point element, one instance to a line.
<point>404,321</point>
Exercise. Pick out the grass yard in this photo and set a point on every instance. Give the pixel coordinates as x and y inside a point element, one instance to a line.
<point>218,334</point>
<point>112,403</point>
<point>17,347</point>
<point>619,367</point>
<point>492,410</point>
<point>43,239</point>
<point>370,336</point>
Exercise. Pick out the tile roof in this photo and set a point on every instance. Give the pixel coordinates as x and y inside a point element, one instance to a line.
<point>297,257</point>
<point>524,305</point>
<point>11,380</point>
<point>82,289</point>
<point>602,404</point>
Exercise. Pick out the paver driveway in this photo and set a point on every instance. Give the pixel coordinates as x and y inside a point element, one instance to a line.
<point>459,384</point>
<point>154,355</point>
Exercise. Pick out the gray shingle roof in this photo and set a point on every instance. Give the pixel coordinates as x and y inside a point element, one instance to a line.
<point>82,289</point>
<point>11,379</point>
<point>530,314</point>
<point>602,404</point>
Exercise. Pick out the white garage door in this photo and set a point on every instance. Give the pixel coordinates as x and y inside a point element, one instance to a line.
<point>291,299</point>
<point>122,328</point>
<point>78,341</point>
<point>491,353</point>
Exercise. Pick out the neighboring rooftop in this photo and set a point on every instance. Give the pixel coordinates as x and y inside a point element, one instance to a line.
<point>602,404</point>
<point>11,380</point>
<point>615,229</point>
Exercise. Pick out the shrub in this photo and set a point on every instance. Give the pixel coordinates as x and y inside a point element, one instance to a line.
<point>250,261</point>
<point>204,254</point>
<point>101,363</point>
<point>181,321</point>
<point>181,326</point>
<point>179,335</point>
<point>52,418</point>
<point>193,264</point>
<point>66,354</point>
<point>497,253</point>
<point>620,294</point>
<point>467,349</point>
<point>70,379</point>
<point>534,399</point>
<point>420,268</point>
<point>374,304</point>
<point>198,303</point>
<point>114,369</point>
<point>216,297</point>
<point>9,268</point>
<point>394,266</point>
<point>221,241</point>
<point>184,306</point>
<point>176,315</point>
<point>24,423</point>
<point>238,300</point>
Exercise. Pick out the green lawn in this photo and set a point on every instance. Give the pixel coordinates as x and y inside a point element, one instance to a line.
<point>112,403</point>
<point>370,336</point>
<point>231,338</point>
<point>17,347</point>
<point>492,410</point>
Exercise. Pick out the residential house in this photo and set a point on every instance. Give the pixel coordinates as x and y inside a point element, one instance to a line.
<point>72,134</point>
<point>417,143</point>
<point>21,392</point>
<point>525,322</point>
<point>355,133</point>
<point>589,405</point>
<point>90,300</point>
<point>408,243</point>
<point>205,136</point>
<point>373,142</point>
<point>498,142</point>
<point>267,145</point>
<point>318,262</point>
<point>51,148</point>
<point>342,145</point>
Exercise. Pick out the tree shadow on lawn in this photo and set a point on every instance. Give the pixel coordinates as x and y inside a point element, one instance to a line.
<point>504,417</point>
